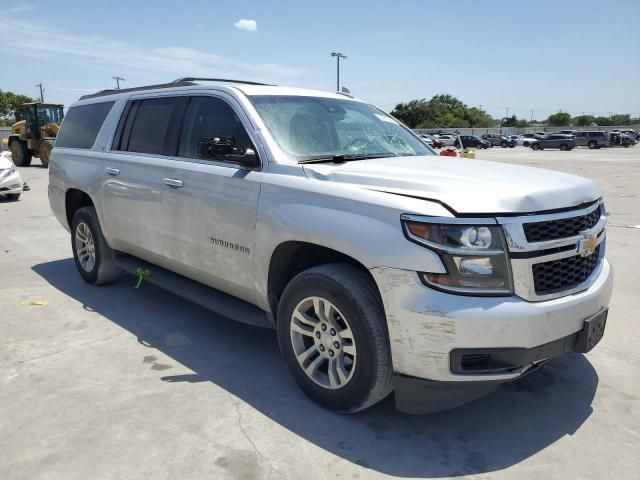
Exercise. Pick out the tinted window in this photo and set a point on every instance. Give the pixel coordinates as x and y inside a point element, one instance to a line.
<point>82,124</point>
<point>210,117</point>
<point>146,126</point>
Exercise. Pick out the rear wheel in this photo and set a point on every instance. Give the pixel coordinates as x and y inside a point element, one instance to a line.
<point>44,153</point>
<point>592,145</point>
<point>525,144</point>
<point>504,144</point>
<point>93,257</point>
<point>20,153</point>
<point>333,337</point>
<point>535,146</point>
<point>564,147</point>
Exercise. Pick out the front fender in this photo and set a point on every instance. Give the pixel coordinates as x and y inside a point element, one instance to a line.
<point>368,232</point>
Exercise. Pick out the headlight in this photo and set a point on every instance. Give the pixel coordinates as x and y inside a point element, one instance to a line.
<point>474,256</point>
<point>8,171</point>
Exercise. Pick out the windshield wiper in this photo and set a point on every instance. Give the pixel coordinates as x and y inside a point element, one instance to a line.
<point>344,158</point>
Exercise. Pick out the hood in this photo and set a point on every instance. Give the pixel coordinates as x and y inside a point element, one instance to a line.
<point>5,161</point>
<point>466,186</point>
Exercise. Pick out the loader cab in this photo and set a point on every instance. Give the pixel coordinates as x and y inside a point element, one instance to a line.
<point>38,115</point>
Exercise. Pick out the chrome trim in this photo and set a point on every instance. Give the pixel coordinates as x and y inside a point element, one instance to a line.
<point>517,241</point>
<point>449,220</point>
<point>522,268</point>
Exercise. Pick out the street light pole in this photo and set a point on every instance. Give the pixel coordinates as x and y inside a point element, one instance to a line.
<point>118,79</point>
<point>338,56</point>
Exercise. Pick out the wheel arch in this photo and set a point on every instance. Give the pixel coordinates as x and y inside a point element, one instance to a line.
<point>290,258</point>
<point>74,200</point>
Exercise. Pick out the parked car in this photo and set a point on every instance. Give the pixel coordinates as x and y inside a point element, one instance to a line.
<point>432,141</point>
<point>555,140</point>
<point>632,133</point>
<point>568,132</point>
<point>471,141</point>
<point>540,135</point>
<point>447,139</point>
<point>526,139</point>
<point>499,140</point>
<point>592,139</point>
<point>10,180</point>
<point>375,260</point>
<point>621,139</point>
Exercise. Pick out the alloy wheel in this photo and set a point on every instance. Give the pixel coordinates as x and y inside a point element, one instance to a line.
<point>85,247</point>
<point>323,342</point>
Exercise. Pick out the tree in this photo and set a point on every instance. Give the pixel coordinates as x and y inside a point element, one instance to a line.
<point>9,102</point>
<point>559,119</point>
<point>584,120</point>
<point>441,111</point>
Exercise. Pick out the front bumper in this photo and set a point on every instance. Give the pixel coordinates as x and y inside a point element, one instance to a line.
<point>426,326</point>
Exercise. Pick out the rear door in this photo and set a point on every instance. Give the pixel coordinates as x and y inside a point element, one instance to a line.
<point>134,168</point>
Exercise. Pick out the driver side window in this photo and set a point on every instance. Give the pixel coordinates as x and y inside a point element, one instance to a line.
<point>208,117</point>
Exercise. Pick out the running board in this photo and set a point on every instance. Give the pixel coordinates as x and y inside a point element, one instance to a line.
<point>207,297</point>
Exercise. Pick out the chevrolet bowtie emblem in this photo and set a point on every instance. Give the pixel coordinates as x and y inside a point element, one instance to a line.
<point>587,245</point>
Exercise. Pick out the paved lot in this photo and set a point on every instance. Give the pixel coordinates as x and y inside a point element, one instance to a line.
<point>114,382</point>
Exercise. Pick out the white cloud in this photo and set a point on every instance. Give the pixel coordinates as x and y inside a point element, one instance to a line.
<point>246,24</point>
<point>20,8</point>
<point>20,36</point>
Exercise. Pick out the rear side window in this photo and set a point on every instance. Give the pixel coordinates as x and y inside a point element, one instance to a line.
<point>146,127</point>
<point>82,124</point>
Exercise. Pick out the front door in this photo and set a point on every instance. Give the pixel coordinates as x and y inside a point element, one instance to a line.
<point>209,215</point>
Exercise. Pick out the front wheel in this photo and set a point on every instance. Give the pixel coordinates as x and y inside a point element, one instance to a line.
<point>535,146</point>
<point>564,147</point>
<point>93,257</point>
<point>333,337</point>
<point>20,154</point>
<point>44,153</point>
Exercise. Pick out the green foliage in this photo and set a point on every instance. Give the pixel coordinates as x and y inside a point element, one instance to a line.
<point>9,101</point>
<point>560,119</point>
<point>584,120</point>
<point>441,111</point>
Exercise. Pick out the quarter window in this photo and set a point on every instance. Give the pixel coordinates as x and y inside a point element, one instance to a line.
<point>82,124</point>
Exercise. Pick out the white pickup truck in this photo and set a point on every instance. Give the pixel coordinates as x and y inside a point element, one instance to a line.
<point>382,266</point>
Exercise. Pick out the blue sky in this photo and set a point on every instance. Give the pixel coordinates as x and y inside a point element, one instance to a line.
<point>578,56</point>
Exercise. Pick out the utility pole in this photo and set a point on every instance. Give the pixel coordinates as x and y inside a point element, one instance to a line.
<point>41,92</point>
<point>531,115</point>
<point>480,106</point>
<point>338,56</point>
<point>118,80</point>
<point>507,115</point>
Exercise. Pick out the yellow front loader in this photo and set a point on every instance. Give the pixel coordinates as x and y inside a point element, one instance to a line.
<point>35,135</point>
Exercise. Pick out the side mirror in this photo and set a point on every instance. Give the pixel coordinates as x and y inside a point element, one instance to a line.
<point>223,148</point>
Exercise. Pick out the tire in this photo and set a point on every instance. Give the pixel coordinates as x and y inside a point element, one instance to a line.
<point>592,145</point>
<point>564,147</point>
<point>535,146</point>
<point>20,154</point>
<point>525,144</point>
<point>13,196</point>
<point>504,144</point>
<point>103,268</point>
<point>356,305</point>
<point>44,153</point>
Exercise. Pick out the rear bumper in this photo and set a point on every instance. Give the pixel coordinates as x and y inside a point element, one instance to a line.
<point>11,184</point>
<point>428,329</point>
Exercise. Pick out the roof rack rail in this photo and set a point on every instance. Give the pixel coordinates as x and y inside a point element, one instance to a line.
<point>222,80</point>
<point>180,82</point>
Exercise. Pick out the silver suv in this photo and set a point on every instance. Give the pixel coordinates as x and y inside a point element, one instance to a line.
<point>381,265</point>
<point>592,139</point>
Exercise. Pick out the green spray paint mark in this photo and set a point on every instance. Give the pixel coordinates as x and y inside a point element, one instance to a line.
<point>142,274</point>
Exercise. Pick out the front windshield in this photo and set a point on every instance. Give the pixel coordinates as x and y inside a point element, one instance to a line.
<point>50,114</point>
<point>309,128</point>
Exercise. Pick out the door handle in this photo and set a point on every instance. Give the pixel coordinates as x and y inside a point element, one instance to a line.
<point>112,171</point>
<point>172,182</point>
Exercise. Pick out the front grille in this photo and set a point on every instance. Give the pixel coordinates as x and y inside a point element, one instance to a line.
<point>563,274</point>
<point>563,228</point>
